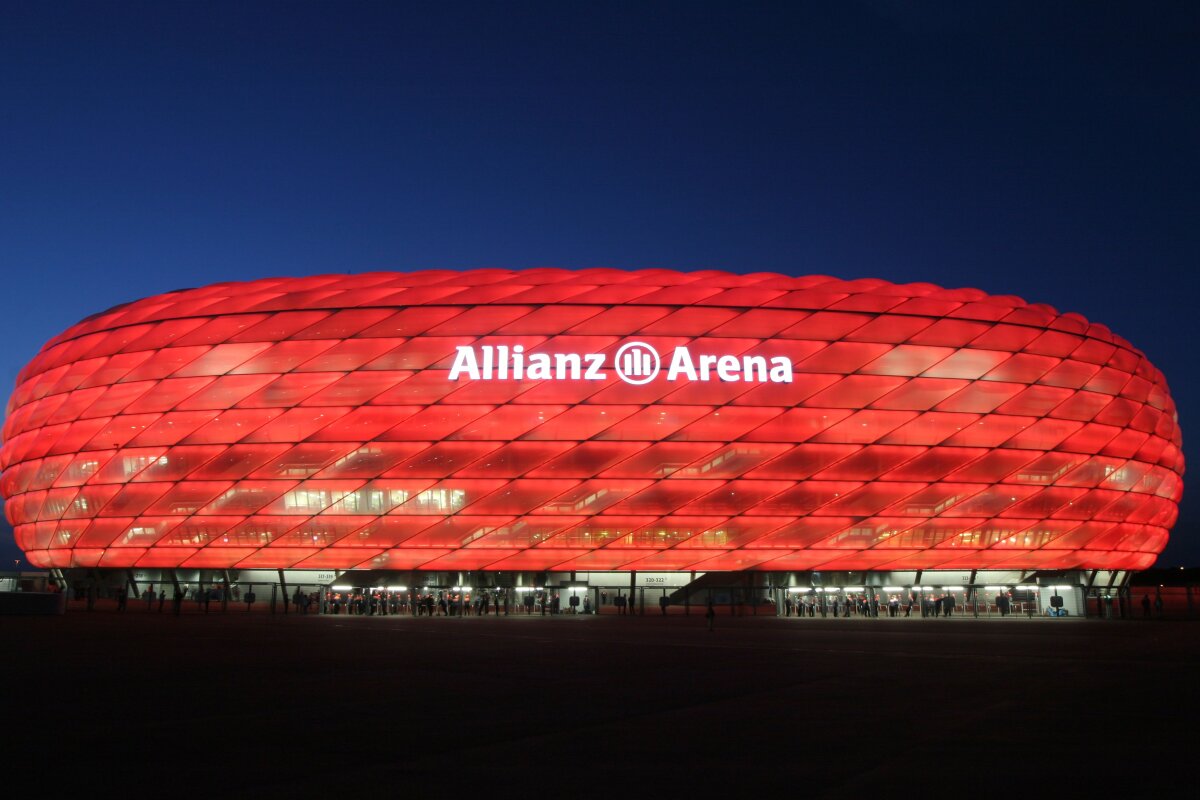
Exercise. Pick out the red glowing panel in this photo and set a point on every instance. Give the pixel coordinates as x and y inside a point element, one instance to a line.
<point>593,420</point>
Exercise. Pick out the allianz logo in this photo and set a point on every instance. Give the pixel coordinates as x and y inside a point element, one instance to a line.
<point>634,362</point>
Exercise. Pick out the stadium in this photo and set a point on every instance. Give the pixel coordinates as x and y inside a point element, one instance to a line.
<point>772,442</point>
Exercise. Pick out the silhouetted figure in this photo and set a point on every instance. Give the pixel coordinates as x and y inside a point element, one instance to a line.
<point>710,614</point>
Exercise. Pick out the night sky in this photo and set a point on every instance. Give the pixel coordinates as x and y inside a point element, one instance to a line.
<point>1046,150</point>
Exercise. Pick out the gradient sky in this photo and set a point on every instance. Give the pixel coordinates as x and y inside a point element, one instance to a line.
<point>1043,150</point>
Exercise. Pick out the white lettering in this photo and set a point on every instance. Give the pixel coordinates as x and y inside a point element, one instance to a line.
<point>518,361</point>
<point>564,361</point>
<point>487,362</point>
<point>755,368</point>
<point>465,362</point>
<point>501,362</point>
<point>594,361</point>
<point>681,362</point>
<point>539,367</point>
<point>639,364</point>
<point>781,369</point>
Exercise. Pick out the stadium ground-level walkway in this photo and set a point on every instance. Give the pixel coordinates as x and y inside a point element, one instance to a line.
<point>975,594</point>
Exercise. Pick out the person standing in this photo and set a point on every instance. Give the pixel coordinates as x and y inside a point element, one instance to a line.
<point>710,614</point>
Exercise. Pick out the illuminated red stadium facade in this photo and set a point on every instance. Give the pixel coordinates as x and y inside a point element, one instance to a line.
<point>552,420</point>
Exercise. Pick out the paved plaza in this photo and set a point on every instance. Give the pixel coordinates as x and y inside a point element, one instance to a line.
<point>255,705</point>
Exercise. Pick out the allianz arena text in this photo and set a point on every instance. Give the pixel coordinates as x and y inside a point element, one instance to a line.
<point>599,419</point>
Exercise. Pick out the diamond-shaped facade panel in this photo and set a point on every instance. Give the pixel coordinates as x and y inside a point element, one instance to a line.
<point>593,419</point>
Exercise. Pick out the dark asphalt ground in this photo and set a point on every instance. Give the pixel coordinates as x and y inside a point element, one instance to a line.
<point>258,706</point>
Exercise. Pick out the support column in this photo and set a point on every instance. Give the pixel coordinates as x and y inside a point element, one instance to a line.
<point>919,592</point>
<point>283,590</point>
<point>974,594</point>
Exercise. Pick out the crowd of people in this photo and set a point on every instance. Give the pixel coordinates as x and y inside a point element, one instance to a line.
<point>934,604</point>
<point>464,602</point>
<point>453,602</point>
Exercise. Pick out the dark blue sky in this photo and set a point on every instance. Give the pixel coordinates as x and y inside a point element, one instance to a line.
<point>1044,150</point>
